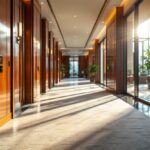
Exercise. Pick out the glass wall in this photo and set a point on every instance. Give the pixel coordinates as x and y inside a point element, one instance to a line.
<point>130,54</point>
<point>103,62</point>
<point>144,50</point>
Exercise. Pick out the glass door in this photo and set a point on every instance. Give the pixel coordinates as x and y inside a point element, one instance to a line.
<point>73,66</point>
<point>130,54</point>
<point>103,62</point>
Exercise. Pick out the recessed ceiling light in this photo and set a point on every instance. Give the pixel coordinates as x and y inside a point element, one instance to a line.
<point>75,16</point>
<point>74,27</point>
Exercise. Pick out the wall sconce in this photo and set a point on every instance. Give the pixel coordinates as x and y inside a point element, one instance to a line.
<point>19,32</point>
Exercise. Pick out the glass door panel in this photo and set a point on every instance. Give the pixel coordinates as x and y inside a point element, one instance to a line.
<point>130,54</point>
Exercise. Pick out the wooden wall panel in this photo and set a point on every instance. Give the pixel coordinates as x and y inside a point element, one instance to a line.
<point>83,65</point>
<point>44,56</point>
<point>51,78</point>
<point>115,49</point>
<point>5,61</point>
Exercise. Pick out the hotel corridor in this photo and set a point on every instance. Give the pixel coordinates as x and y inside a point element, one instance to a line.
<point>77,115</point>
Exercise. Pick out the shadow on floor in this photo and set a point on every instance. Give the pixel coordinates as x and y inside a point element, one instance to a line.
<point>48,106</point>
<point>73,112</point>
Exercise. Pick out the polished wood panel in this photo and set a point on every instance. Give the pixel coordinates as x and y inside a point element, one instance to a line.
<point>5,53</point>
<point>44,56</point>
<point>51,78</point>
<point>83,65</point>
<point>115,52</point>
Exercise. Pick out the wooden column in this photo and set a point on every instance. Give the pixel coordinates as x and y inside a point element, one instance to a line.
<point>97,60</point>
<point>32,22</point>
<point>90,57</point>
<point>51,60</point>
<point>57,58</point>
<point>115,57</point>
<point>44,56</point>
<point>83,65</point>
<point>60,61</point>
<point>54,61</point>
<point>65,61</point>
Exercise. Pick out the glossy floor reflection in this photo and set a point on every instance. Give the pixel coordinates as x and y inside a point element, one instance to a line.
<point>77,115</point>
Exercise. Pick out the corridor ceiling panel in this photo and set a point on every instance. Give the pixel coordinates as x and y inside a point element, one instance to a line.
<point>76,19</point>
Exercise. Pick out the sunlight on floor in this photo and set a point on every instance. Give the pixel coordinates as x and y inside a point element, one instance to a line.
<point>76,115</point>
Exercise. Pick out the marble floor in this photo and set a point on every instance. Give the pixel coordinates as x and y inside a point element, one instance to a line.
<point>77,115</point>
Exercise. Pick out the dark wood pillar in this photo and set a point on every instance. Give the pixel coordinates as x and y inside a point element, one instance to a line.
<point>44,56</point>
<point>32,22</point>
<point>54,61</point>
<point>57,59</point>
<point>83,65</point>
<point>51,60</point>
<point>115,52</point>
<point>97,60</point>
<point>60,61</point>
<point>65,61</point>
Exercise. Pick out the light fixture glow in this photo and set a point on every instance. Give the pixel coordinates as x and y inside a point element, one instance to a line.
<point>75,16</point>
<point>19,32</point>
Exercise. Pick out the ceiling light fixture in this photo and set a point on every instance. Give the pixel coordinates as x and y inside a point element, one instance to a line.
<point>74,27</point>
<point>75,16</point>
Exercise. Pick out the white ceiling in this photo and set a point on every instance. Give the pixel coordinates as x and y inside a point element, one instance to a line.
<point>74,20</point>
